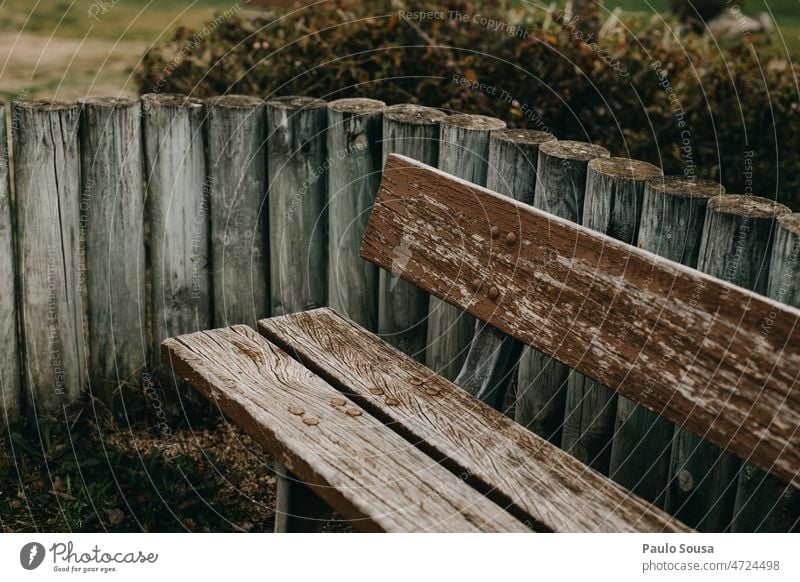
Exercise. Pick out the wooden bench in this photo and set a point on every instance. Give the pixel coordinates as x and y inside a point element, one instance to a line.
<point>391,446</point>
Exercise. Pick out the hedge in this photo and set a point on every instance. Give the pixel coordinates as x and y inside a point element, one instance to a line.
<point>645,88</point>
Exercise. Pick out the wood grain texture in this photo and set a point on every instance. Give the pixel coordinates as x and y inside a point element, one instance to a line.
<point>112,220</point>
<point>47,189</point>
<point>735,246</point>
<point>298,193</point>
<point>236,129</point>
<point>10,369</point>
<point>463,152</point>
<point>560,190</point>
<point>689,351</point>
<point>413,131</point>
<point>765,503</point>
<point>671,226</point>
<point>354,151</point>
<point>178,203</point>
<point>533,478</point>
<point>368,473</point>
<point>613,205</point>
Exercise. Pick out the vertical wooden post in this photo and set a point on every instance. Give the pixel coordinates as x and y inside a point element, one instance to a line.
<point>112,219</point>
<point>764,503</point>
<point>297,508</point>
<point>492,358</point>
<point>673,212</point>
<point>47,186</point>
<point>560,190</point>
<point>463,152</point>
<point>298,194</point>
<point>613,205</point>
<point>177,200</point>
<point>736,246</point>
<point>237,177</point>
<point>413,131</point>
<point>10,372</point>
<point>355,127</point>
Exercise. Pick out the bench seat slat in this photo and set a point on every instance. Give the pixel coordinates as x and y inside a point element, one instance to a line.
<point>365,471</point>
<point>542,483</point>
<point>716,359</point>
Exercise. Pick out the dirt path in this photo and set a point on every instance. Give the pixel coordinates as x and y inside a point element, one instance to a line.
<point>66,68</point>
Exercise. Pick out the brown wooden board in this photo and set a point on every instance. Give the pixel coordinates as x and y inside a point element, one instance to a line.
<point>534,479</point>
<point>365,471</point>
<point>679,342</point>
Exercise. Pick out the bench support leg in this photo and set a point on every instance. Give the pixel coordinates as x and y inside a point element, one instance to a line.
<point>297,508</point>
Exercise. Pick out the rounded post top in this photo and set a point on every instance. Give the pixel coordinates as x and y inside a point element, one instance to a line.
<point>473,122</point>
<point>573,150</point>
<point>109,102</point>
<point>45,104</point>
<point>522,136</point>
<point>685,187</point>
<point>625,168</point>
<point>297,102</point>
<point>235,101</point>
<point>171,100</point>
<point>357,105</point>
<point>745,205</point>
<point>414,114</point>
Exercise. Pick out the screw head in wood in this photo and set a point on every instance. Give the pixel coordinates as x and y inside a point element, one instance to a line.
<point>416,381</point>
<point>296,410</point>
<point>493,293</point>
<point>353,412</point>
<point>476,284</point>
<point>432,391</point>
<point>310,421</point>
<point>494,231</point>
<point>338,401</point>
<point>511,238</point>
<point>390,401</point>
<point>376,391</point>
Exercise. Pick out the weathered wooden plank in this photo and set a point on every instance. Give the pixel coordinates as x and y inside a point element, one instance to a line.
<point>532,477</point>
<point>765,503</point>
<point>613,205</point>
<point>690,351</point>
<point>237,178</point>
<point>298,194</point>
<point>542,381</point>
<point>463,152</point>
<point>735,247</point>
<point>671,226</point>
<point>413,131</point>
<point>10,370</point>
<point>47,187</point>
<point>112,224</point>
<point>492,359</point>
<point>354,151</point>
<point>178,204</point>
<point>364,470</point>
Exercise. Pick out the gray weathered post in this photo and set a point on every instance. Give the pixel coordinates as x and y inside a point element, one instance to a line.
<point>112,219</point>
<point>237,178</point>
<point>355,127</point>
<point>613,205</point>
<point>492,356</point>
<point>560,190</point>
<point>47,186</point>
<point>673,212</point>
<point>736,246</point>
<point>177,199</point>
<point>298,194</point>
<point>463,152</point>
<point>764,503</point>
<point>413,131</point>
<point>10,379</point>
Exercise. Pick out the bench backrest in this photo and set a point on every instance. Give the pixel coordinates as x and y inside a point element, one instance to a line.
<point>716,359</point>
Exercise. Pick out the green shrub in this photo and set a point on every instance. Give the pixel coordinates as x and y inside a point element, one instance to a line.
<point>635,86</point>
